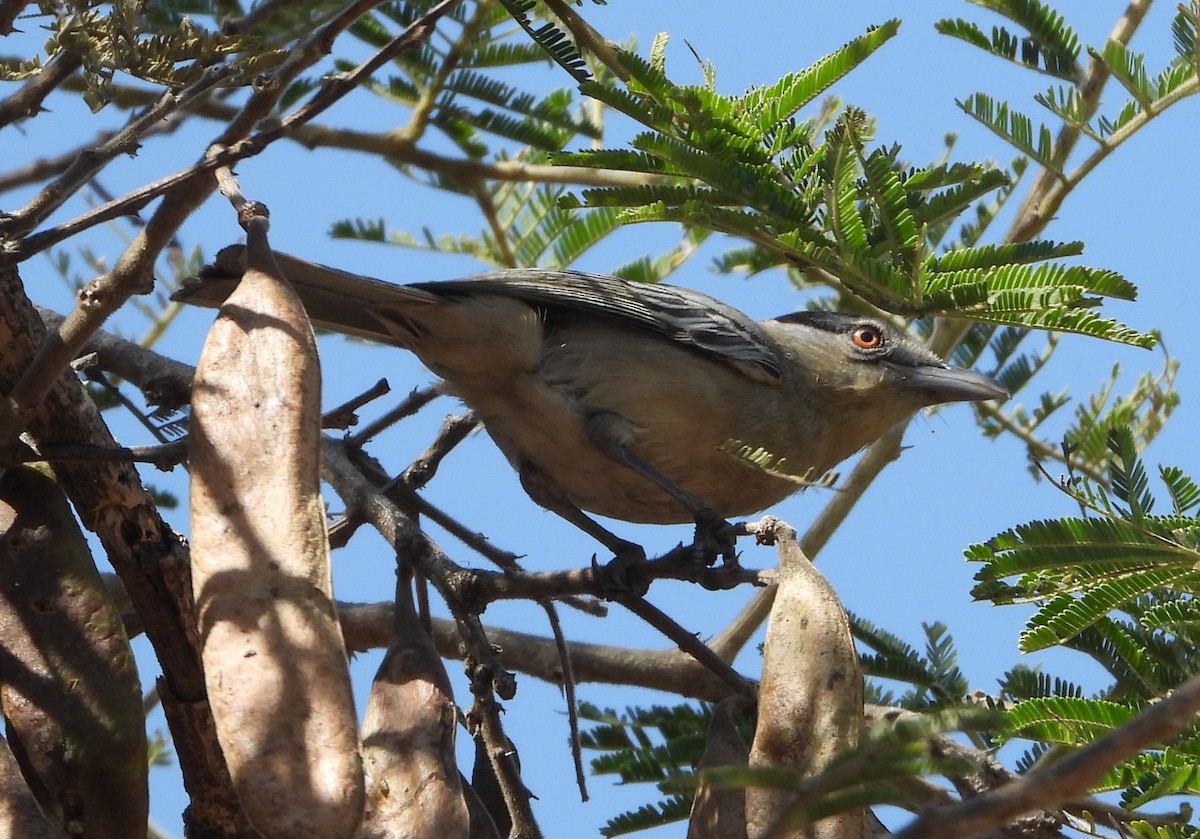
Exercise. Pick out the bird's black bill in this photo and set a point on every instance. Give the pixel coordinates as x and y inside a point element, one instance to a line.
<point>952,384</point>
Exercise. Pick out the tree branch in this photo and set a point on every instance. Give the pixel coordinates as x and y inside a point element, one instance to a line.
<point>27,101</point>
<point>1067,778</point>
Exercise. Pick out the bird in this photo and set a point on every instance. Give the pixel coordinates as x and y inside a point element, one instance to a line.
<point>629,400</point>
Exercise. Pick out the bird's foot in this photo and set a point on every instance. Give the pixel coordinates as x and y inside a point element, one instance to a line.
<point>715,539</point>
<point>623,575</point>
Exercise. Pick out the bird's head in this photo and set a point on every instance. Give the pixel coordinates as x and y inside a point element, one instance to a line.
<point>867,376</point>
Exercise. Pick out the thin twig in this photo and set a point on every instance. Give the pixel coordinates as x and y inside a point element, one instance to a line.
<point>27,101</point>
<point>483,719</point>
<point>366,626</point>
<point>92,160</point>
<point>416,549</point>
<point>234,142</point>
<point>1039,450</point>
<point>388,144</point>
<point>98,378</point>
<point>134,271</point>
<point>415,401</point>
<point>568,686</point>
<point>501,558</point>
<point>1067,778</point>
<point>689,643</point>
<point>165,456</point>
<point>454,430</point>
<point>345,415</point>
<point>677,564</point>
<point>335,87</point>
<point>10,10</point>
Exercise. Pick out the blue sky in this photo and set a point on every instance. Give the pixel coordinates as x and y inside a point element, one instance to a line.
<point>898,560</point>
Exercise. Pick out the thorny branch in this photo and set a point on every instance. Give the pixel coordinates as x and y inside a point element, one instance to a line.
<point>28,100</point>
<point>132,273</point>
<point>1067,778</point>
<point>382,144</point>
<point>90,161</point>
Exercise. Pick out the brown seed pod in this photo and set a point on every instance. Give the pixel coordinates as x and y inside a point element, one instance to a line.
<point>810,699</point>
<point>68,682</point>
<point>274,661</point>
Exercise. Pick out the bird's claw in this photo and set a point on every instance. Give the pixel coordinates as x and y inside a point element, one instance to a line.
<point>715,539</point>
<point>622,575</point>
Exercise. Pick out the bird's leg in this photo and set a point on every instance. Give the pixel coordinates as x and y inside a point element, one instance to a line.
<point>619,575</point>
<point>715,537</point>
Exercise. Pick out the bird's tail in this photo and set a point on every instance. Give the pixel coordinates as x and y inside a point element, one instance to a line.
<point>335,300</point>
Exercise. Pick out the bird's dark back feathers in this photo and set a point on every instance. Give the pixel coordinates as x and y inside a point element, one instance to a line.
<point>687,317</point>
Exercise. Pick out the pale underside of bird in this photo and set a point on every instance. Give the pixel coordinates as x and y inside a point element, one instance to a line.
<point>630,400</point>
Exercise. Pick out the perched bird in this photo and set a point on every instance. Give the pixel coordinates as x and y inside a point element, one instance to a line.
<point>622,398</point>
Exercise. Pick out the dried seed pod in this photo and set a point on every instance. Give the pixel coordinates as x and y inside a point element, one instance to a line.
<point>274,661</point>
<point>19,810</point>
<point>68,683</point>
<point>408,740</point>
<point>810,700</point>
<point>720,812</point>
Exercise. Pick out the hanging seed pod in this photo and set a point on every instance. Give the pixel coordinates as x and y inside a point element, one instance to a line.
<point>274,661</point>
<point>68,683</point>
<point>810,699</point>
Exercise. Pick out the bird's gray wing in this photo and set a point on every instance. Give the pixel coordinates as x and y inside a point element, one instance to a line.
<point>687,317</point>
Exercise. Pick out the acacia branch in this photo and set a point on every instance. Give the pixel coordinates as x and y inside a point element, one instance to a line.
<point>387,144</point>
<point>1067,778</point>
<point>90,161</point>
<point>1048,191</point>
<point>133,273</point>
<point>27,101</point>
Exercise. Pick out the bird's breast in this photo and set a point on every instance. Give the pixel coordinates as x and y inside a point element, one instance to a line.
<point>675,409</point>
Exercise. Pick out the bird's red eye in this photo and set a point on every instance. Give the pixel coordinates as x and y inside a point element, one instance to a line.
<point>867,337</point>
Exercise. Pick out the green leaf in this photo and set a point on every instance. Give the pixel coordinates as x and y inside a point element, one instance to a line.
<point>1180,614</point>
<point>1128,68</point>
<point>552,40</point>
<point>1066,104</point>
<point>1128,475</point>
<point>1023,682</point>
<point>1015,128</point>
<point>1101,545</point>
<point>503,54</point>
<point>1183,29</point>
<point>1150,776</point>
<point>842,172</point>
<point>1185,494</point>
<point>778,102</point>
<point>1066,720</point>
<point>1051,47</point>
<point>1065,616</point>
<point>622,159</point>
<point>640,108</point>
<point>995,256</point>
<point>884,189</point>
<point>553,109</point>
<point>639,196</point>
<point>649,77</point>
<point>1078,321</point>
<point>946,205</point>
